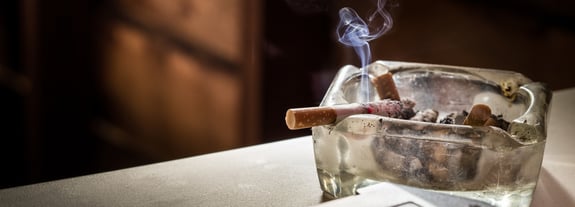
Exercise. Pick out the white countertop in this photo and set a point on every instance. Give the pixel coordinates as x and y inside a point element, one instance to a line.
<point>556,185</point>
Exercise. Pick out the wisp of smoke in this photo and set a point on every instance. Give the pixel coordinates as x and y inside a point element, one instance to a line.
<point>353,31</point>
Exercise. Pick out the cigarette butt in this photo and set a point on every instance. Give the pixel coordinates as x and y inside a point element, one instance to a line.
<point>427,115</point>
<point>454,118</point>
<point>478,115</point>
<point>509,88</point>
<point>385,87</point>
<point>312,116</point>
<point>300,118</point>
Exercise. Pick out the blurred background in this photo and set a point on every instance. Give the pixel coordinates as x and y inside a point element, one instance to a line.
<point>92,86</point>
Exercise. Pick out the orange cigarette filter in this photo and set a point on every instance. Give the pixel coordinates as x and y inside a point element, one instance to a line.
<point>385,87</point>
<point>301,118</point>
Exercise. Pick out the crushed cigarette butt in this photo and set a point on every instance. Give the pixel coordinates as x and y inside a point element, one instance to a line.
<point>478,115</point>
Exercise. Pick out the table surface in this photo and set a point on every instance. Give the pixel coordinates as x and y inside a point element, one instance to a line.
<point>275,174</point>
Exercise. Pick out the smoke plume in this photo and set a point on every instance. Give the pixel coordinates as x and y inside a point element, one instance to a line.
<point>353,31</point>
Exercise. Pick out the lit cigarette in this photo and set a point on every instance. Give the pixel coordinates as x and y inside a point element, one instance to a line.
<point>300,118</point>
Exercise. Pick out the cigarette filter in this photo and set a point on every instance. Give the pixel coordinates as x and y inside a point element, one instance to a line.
<point>479,114</point>
<point>385,86</point>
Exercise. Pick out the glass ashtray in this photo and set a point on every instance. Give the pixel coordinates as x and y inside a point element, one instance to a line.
<point>494,165</point>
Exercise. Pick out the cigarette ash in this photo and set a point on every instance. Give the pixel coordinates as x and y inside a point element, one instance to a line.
<point>509,88</point>
<point>478,117</point>
<point>431,163</point>
<point>424,163</point>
